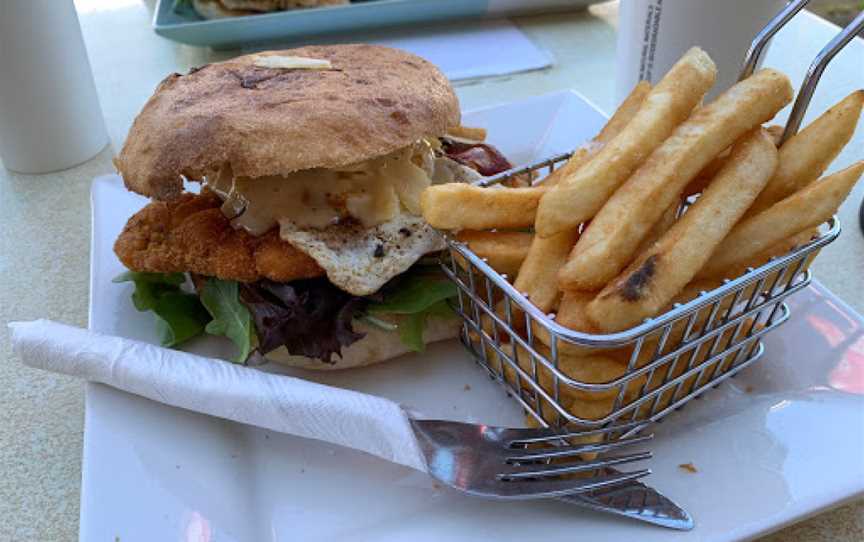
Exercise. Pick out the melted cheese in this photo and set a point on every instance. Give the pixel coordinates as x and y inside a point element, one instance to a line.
<point>371,193</point>
<point>361,260</point>
<point>386,235</point>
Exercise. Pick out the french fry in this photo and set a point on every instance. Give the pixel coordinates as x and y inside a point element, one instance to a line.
<point>537,278</point>
<point>548,415</point>
<point>775,250</point>
<point>460,206</point>
<point>591,369</point>
<point>466,132</point>
<point>667,220</point>
<point>608,244</point>
<point>776,133</point>
<point>697,185</point>
<point>504,251</point>
<point>571,314</point>
<point>572,311</point>
<point>801,211</point>
<point>806,155</point>
<point>623,115</point>
<point>674,368</point>
<point>522,180</point>
<point>577,198</point>
<point>662,271</point>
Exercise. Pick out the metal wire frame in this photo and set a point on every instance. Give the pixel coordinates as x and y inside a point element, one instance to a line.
<point>817,67</point>
<point>671,359</point>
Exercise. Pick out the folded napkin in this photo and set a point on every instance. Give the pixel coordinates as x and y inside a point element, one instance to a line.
<point>212,386</point>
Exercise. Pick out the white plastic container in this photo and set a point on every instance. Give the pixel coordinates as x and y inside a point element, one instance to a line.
<point>653,34</point>
<point>49,110</point>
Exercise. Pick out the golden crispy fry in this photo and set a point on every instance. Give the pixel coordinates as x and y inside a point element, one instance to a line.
<point>625,113</point>
<point>591,369</point>
<point>522,180</point>
<point>515,209</point>
<point>571,311</point>
<point>503,250</point>
<point>667,220</point>
<point>619,119</point>
<point>537,277</point>
<point>776,132</point>
<point>802,210</point>
<point>466,132</point>
<point>571,314</point>
<point>775,250</point>
<point>578,197</point>
<point>662,271</point>
<point>607,245</point>
<point>599,409</point>
<point>458,206</point>
<point>190,234</point>
<point>708,173</point>
<point>809,152</point>
<point>697,185</point>
<point>548,414</point>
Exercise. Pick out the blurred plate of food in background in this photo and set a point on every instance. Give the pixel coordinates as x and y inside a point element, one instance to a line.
<point>232,23</point>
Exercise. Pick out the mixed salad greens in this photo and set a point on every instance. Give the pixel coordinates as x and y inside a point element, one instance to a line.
<point>309,317</point>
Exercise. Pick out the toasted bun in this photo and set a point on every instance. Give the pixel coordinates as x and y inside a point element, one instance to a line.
<point>264,121</point>
<point>377,346</point>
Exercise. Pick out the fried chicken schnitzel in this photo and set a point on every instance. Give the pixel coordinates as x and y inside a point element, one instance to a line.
<point>190,234</point>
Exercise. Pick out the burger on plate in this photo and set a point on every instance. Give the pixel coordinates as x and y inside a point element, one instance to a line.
<point>286,186</point>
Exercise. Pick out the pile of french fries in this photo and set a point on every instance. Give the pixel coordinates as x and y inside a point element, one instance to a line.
<point>670,198</point>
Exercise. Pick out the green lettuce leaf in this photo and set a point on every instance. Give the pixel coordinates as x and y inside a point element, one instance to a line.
<point>230,317</point>
<point>179,315</point>
<point>413,325</point>
<point>414,294</point>
<point>419,294</point>
<point>411,331</point>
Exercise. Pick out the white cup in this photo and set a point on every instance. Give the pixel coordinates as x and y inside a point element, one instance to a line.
<point>49,110</point>
<point>653,34</point>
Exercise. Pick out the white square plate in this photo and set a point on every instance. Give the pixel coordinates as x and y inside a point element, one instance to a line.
<point>777,443</point>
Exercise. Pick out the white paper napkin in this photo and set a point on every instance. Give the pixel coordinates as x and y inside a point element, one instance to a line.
<point>280,403</point>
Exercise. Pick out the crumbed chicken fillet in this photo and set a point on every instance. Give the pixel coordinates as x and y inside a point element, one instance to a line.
<point>190,234</point>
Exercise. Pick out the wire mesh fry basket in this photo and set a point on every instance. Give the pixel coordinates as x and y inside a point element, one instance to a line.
<point>563,377</point>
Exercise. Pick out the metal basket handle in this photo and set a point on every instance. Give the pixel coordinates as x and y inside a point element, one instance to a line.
<point>814,73</point>
<point>757,47</point>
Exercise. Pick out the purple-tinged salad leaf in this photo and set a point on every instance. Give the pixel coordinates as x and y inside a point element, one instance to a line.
<point>311,318</point>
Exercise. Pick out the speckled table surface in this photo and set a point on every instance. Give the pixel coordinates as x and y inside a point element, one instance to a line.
<point>45,234</point>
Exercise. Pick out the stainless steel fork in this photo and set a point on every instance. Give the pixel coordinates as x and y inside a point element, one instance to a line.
<point>503,463</point>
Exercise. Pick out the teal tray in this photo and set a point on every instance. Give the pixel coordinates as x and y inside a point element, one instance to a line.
<point>303,24</point>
